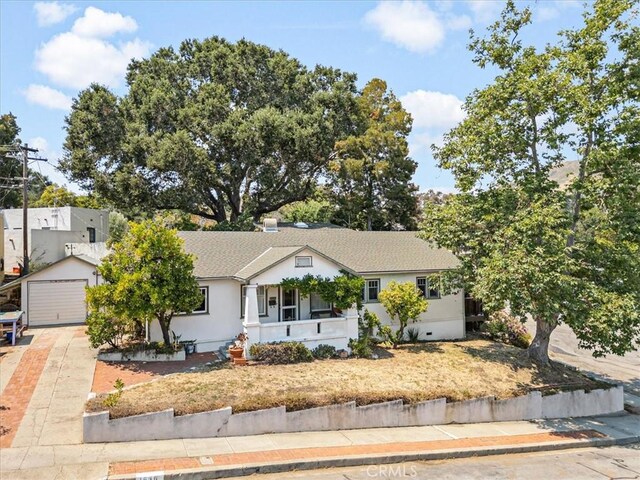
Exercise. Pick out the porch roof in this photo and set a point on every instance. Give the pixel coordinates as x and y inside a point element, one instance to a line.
<point>242,254</point>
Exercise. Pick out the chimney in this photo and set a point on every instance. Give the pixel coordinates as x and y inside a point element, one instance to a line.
<point>270,225</point>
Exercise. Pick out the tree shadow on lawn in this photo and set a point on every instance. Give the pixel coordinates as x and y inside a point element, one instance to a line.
<point>548,379</point>
<point>422,347</point>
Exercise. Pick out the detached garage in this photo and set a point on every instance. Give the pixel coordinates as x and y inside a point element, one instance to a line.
<point>55,295</point>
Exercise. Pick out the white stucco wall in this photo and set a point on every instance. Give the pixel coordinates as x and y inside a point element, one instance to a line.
<point>288,269</point>
<point>213,329</point>
<point>70,269</point>
<point>49,230</point>
<point>444,318</point>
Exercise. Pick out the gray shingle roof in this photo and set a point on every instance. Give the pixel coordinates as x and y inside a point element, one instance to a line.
<point>226,254</point>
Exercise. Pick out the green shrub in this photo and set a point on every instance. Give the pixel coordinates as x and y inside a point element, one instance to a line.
<point>361,347</point>
<point>103,328</point>
<point>413,335</point>
<point>280,352</point>
<point>324,351</point>
<point>368,324</point>
<point>112,399</point>
<point>505,328</point>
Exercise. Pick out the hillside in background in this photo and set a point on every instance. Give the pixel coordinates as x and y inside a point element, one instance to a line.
<point>566,173</point>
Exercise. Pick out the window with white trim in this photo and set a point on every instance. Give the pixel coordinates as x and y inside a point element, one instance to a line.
<point>204,304</point>
<point>261,293</point>
<point>371,290</point>
<point>318,304</point>
<point>429,290</point>
<point>305,261</point>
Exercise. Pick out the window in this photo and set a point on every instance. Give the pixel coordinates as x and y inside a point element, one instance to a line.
<point>261,293</point>
<point>304,262</point>
<point>204,305</point>
<point>428,289</point>
<point>92,234</point>
<point>318,304</point>
<point>371,290</point>
<point>289,305</point>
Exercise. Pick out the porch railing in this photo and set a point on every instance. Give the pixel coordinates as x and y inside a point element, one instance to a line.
<point>332,331</point>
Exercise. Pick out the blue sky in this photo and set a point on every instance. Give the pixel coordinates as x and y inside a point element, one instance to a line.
<point>49,51</point>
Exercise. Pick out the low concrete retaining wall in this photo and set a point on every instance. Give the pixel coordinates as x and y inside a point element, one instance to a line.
<point>141,356</point>
<point>223,423</point>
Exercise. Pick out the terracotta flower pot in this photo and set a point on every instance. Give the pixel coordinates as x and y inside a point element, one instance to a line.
<point>236,352</point>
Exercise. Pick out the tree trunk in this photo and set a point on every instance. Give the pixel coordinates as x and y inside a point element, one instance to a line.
<point>164,326</point>
<point>539,348</point>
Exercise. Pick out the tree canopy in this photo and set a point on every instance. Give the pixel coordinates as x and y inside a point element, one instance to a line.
<point>57,196</point>
<point>215,128</point>
<point>147,276</point>
<point>369,180</point>
<point>556,255</point>
<point>11,167</point>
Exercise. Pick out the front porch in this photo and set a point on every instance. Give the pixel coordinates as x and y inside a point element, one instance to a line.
<point>311,326</point>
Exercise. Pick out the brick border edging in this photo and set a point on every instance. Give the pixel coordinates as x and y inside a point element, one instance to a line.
<point>205,473</point>
<point>164,425</point>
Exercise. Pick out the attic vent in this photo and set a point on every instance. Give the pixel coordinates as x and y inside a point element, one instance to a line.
<point>300,225</point>
<point>270,225</point>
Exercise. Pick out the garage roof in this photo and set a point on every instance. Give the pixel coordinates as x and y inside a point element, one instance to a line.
<point>18,281</point>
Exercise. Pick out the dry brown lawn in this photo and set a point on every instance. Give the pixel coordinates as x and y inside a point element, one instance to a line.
<point>413,373</point>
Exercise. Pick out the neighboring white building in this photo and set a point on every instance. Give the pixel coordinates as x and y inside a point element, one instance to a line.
<point>49,230</point>
<point>240,272</point>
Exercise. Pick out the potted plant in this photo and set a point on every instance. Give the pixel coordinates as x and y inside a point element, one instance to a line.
<point>236,349</point>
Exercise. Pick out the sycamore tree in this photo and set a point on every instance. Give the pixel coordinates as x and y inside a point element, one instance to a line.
<point>557,255</point>
<point>214,128</point>
<point>369,180</point>
<point>148,276</point>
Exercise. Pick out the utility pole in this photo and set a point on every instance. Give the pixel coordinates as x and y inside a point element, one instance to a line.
<point>25,150</point>
<point>25,207</point>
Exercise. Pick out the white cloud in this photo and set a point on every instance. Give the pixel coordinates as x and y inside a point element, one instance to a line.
<point>552,10</point>
<point>433,109</point>
<point>408,24</point>
<point>47,97</point>
<point>100,24</point>
<point>40,144</point>
<point>458,22</point>
<point>485,11</point>
<point>77,58</point>
<point>50,13</point>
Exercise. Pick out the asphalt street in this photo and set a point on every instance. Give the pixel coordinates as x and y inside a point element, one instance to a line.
<point>581,464</point>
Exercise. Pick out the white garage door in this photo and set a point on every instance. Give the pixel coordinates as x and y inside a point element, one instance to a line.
<point>55,302</point>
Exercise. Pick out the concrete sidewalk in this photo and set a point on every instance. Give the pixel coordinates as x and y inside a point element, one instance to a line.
<point>233,456</point>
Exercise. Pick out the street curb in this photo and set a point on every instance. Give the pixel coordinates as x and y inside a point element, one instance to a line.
<point>208,473</point>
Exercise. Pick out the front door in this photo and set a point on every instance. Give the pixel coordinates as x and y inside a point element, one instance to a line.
<point>289,305</point>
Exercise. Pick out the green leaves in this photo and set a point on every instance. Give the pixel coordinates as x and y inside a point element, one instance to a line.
<point>343,291</point>
<point>555,255</point>
<point>217,129</point>
<point>147,276</point>
<point>370,177</point>
<point>404,302</point>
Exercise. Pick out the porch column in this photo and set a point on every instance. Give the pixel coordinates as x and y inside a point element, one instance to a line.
<point>251,317</point>
<point>351,316</point>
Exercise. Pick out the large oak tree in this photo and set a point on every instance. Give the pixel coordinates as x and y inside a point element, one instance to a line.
<point>556,255</point>
<point>215,128</point>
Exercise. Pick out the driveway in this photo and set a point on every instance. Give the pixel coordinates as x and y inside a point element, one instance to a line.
<point>44,382</point>
<point>564,348</point>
